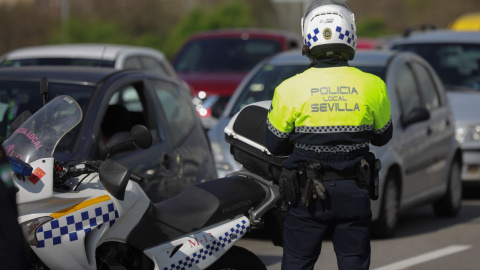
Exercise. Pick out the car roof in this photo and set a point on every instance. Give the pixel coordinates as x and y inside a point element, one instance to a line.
<point>362,57</point>
<point>81,75</point>
<point>241,32</point>
<point>440,36</point>
<point>87,50</point>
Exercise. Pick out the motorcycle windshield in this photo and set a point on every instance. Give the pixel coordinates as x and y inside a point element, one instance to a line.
<point>37,137</point>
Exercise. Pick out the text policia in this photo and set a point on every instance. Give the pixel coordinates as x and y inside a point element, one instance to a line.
<point>336,99</point>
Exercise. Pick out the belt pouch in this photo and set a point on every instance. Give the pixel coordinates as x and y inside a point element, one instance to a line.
<point>289,186</point>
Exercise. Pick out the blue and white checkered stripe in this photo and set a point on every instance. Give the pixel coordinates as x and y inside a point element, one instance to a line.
<point>312,36</point>
<point>350,36</point>
<point>210,250</point>
<point>75,226</point>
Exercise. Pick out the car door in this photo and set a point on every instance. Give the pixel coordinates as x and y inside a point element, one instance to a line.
<point>190,146</point>
<point>130,104</point>
<point>415,143</point>
<point>440,122</point>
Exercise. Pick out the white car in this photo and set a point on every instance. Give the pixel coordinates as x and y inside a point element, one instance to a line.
<point>421,164</point>
<point>98,55</point>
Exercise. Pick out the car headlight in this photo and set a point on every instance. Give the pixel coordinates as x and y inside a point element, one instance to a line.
<point>219,157</point>
<point>467,133</point>
<point>29,229</point>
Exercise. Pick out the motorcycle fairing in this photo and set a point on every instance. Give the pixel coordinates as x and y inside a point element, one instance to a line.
<point>202,248</point>
<point>73,223</point>
<point>36,187</point>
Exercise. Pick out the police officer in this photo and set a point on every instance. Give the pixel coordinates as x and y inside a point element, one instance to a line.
<point>328,116</point>
<point>12,247</point>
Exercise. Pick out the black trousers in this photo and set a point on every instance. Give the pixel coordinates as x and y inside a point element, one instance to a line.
<point>345,213</point>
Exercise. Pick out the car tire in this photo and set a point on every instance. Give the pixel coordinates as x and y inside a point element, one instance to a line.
<point>385,225</point>
<point>449,204</point>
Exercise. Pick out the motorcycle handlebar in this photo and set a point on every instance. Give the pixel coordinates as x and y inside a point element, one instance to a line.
<point>67,171</point>
<point>135,177</point>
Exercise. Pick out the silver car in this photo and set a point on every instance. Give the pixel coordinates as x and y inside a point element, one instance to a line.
<point>421,164</point>
<point>95,54</point>
<point>455,56</point>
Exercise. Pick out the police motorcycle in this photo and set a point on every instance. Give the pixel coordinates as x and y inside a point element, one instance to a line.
<point>93,214</point>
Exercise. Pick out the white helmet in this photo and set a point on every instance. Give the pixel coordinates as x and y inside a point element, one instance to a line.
<point>328,26</point>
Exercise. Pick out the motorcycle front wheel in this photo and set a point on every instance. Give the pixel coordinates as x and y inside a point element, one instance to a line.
<point>238,258</point>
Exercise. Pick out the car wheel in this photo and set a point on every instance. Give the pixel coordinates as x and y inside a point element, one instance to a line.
<point>387,221</point>
<point>449,205</point>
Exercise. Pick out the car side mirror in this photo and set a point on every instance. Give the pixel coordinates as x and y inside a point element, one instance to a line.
<point>415,115</point>
<point>139,138</point>
<point>142,138</point>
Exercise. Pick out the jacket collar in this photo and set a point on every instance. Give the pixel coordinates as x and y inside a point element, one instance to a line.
<point>330,62</point>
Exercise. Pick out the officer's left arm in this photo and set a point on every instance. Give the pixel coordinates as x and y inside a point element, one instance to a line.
<point>382,125</point>
<point>279,125</point>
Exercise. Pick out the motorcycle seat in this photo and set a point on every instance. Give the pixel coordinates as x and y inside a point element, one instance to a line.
<point>195,208</point>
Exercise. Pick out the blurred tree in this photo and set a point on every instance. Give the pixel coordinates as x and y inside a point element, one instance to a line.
<point>23,25</point>
<point>147,23</point>
<point>231,14</point>
<point>164,24</point>
<point>373,26</point>
<point>93,30</point>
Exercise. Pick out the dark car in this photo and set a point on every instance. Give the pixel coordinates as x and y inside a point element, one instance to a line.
<point>214,62</point>
<point>113,101</point>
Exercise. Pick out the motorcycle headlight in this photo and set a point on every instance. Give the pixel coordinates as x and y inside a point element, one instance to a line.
<point>29,229</point>
<point>220,162</point>
<point>467,133</point>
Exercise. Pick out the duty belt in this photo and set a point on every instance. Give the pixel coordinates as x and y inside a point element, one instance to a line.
<point>329,174</point>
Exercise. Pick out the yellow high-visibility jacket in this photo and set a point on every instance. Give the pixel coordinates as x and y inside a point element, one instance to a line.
<point>330,111</point>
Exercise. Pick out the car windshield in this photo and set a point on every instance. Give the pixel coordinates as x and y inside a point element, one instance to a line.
<point>263,83</point>
<point>224,54</point>
<point>55,61</point>
<point>456,64</point>
<point>19,96</point>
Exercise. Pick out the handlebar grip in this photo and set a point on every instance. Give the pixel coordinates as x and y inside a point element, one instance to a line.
<point>135,177</point>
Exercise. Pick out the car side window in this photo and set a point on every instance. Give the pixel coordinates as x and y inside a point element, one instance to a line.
<point>133,62</point>
<point>150,63</point>
<point>128,107</point>
<point>178,110</point>
<point>407,90</point>
<point>428,87</point>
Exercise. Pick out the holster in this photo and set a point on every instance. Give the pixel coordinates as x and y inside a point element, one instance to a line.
<point>375,183</point>
<point>368,174</point>
<point>289,186</point>
<point>364,173</point>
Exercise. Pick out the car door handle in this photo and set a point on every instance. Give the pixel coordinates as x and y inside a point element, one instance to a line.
<point>170,164</point>
<point>429,131</point>
<point>167,162</point>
